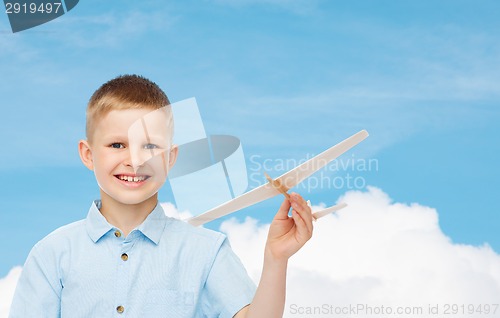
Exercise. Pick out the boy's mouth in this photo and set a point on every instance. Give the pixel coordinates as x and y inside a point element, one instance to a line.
<point>128,178</point>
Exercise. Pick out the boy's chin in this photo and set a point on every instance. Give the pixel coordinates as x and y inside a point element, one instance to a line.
<point>138,201</point>
<point>128,199</point>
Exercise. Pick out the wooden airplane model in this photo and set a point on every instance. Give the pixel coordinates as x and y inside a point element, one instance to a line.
<point>283,183</point>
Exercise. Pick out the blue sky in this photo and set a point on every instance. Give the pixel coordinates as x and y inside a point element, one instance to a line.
<point>289,78</point>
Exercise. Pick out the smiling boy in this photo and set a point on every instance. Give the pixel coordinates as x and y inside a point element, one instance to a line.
<point>127,259</point>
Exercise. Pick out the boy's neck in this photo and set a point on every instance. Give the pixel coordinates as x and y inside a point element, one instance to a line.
<point>126,217</point>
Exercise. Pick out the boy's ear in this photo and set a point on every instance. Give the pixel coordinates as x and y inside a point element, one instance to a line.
<point>174,151</point>
<point>86,154</point>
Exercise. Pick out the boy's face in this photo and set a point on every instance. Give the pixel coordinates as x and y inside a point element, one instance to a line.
<point>130,154</point>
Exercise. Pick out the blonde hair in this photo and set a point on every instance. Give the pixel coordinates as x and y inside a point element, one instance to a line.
<point>126,92</point>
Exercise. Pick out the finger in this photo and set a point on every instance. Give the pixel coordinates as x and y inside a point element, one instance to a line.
<point>282,213</point>
<point>304,210</point>
<point>305,216</point>
<point>297,198</point>
<point>303,232</point>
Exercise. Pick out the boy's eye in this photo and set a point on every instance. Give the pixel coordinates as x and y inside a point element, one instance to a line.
<point>117,145</point>
<point>151,146</point>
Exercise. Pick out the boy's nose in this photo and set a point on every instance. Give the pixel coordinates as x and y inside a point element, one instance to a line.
<point>138,158</point>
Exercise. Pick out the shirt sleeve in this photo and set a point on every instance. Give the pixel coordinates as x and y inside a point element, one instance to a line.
<point>228,287</point>
<point>38,290</point>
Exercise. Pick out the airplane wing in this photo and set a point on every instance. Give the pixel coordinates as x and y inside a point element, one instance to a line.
<point>288,180</point>
<point>329,210</point>
<point>247,199</point>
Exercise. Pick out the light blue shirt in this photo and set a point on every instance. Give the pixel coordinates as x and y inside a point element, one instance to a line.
<point>163,268</point>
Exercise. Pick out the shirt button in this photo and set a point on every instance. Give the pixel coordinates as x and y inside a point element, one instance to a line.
<point>118,233</point>
<point>120,309</point>
<point>124,257</point>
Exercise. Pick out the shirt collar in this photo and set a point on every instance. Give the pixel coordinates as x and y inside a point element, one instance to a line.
<point>152,227</point>
<point>154,224</point>
<point>96,223</point>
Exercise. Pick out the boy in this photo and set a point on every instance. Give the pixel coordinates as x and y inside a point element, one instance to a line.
<point>127,259</point>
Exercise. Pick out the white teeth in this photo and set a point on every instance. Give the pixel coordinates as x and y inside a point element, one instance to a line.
<point>132,179</point>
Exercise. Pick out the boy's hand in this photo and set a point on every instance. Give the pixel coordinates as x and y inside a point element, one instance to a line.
<point>288,234</point>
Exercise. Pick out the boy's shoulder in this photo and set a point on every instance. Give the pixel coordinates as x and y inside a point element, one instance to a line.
<point>62,234</point>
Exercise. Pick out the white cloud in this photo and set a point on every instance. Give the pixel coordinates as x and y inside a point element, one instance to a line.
<point>376,252</point>
<point>7,287</point>
<point>171,211</point>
